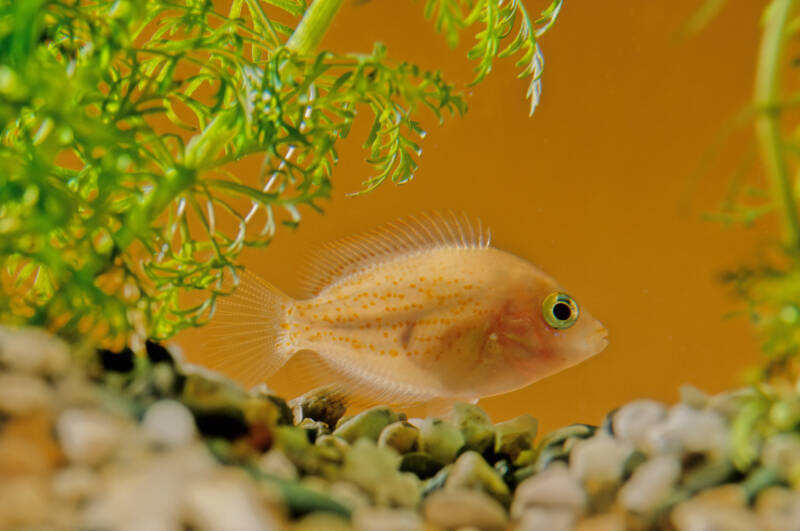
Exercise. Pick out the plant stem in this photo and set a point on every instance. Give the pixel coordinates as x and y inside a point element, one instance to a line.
<point>767,103</point>
<point>313,26</point>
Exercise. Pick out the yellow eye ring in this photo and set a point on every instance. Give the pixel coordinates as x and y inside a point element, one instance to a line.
<point>559,310</point>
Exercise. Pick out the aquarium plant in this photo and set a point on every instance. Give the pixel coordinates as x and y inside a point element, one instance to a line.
<point>121,208</point>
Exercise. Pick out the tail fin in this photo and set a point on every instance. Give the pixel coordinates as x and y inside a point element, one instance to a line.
<point>249,336</point>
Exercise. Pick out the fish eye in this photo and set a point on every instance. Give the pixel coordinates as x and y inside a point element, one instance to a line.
<point>559,310</point>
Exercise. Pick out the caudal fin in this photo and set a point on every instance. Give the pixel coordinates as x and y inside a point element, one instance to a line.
<point>248,334</point>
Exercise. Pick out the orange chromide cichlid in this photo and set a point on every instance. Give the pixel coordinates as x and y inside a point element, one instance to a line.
<point>419,310</point>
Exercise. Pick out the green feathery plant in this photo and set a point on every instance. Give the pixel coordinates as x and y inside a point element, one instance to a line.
<point>771,287</point>
<point>123,122</point>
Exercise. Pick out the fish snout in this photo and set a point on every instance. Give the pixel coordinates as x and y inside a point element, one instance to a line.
<point>600,338</point>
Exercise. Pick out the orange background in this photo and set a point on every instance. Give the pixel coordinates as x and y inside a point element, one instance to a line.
<point>596,188</point>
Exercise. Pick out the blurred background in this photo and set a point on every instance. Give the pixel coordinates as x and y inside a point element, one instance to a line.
<point>606,187</point>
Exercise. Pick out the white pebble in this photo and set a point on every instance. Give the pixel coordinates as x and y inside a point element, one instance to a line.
<point>33,351</point>
<point>169,423</point>
<point>553,487</point>
<point>21,394</point>
<point>458,508</point>
<point>697,515</point>
<point>599,459</point>
<point>277,464</point>
<point>550,519</point>
<point>144,493</point>
<point>226,502</point>
<point>650,485</point>
<point>633,420</point>
<point>688,430</point>
<point>349,495</point>
<point>88,436</point>
<point>781,452</point>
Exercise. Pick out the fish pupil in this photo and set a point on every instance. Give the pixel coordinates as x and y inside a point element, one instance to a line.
<point>562,311</point>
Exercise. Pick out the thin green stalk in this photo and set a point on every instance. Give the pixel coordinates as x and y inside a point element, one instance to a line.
<point>768,131</point>
<point>313,26</point>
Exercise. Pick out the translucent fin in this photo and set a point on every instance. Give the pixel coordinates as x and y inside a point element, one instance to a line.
<point>428,230</point>
<point>309,370</point>
<point>248,338</point>
<point>441,408</point>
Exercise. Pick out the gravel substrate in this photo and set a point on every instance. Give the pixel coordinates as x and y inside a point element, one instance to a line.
<point>117,441</point>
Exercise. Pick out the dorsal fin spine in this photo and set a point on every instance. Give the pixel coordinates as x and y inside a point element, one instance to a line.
<point>423,232</point>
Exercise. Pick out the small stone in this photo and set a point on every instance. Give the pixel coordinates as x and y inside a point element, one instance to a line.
<point>27,445</point>
<point>730,495</point>
<point>368,424</point>
<point>781,452</point>
<point>693,397</point>
<point>600,460</point>
<point>440,440</point>
<point>21,394</point>
<point>700,514</point>
<point>778,509</point>
<point>348,495</point>
<point>74,484</point>
<point>145,492</point>
<point>688,430</point>
<point>401,435</point>
<point>33,351</point>
<point>632,420</point>
<point>475,425</point>
<point>323,404</point>
<point>374,469</point>
<point>515,436</point>
<point>334,448</point>
<point>169,423</point>
<point>557,445</point>
<point>651,484</point>
<point>377,519</point>
<point>206,390</point>
<point>314,427</point>
<point>554,487</point>
<point>421,464</point>
<point>88,436</point>
<point>275,463</point>
<point>541,518</point>
<point>24,502</point>
<point>226,502</point>
<point>470,471</point>
<point>460,508</point>
<point>729,403</point>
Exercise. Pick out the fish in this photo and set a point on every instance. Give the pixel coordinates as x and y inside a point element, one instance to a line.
<point>422,310</point>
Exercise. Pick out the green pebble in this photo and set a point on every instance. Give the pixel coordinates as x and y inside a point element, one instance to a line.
<point>515,435</point>
<point>200,392</point>
<point>367,424</point>
<point>399,435</point>
<point>475,425</point>
<point>471,471</point>
<point>440,440</point>
<point>421,464</point>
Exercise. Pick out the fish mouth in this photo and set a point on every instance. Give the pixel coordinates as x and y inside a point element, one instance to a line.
<point>600,338</point>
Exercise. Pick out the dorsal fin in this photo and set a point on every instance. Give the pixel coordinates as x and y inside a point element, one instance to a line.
<point>425,231</point>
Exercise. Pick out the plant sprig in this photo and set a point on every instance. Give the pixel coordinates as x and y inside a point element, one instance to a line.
<point>124,122</point>
<point>498,20</point>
